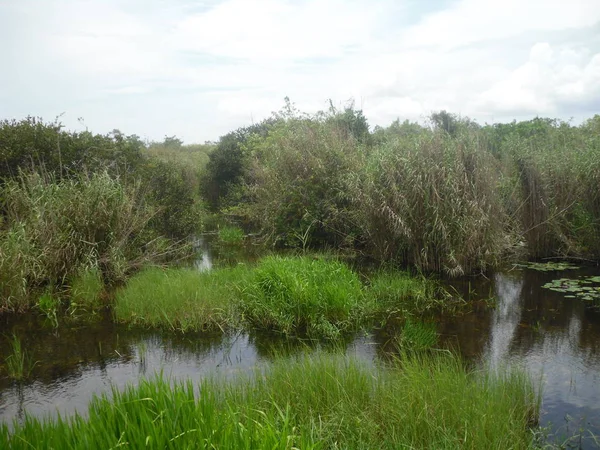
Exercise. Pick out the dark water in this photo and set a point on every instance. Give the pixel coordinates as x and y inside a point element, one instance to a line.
<point>556,339</point>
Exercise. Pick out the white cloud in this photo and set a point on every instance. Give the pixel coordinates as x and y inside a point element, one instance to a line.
<point>548,80</point>
<point>198,69</point>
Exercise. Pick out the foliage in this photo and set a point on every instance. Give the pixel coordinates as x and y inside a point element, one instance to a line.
<point>45,148</point>
<point>18,363</point>
<point>55,229</point>
<point>228,162</point>
<point>398,293</point>
<point>181,299</point>
<point>416,337</point>
<point>231,235</point>
<point>430,201</point>
<point>587,288</point>
<point>86,289</point>
<point>297,190</point>
<point>303,296</point>
<point>310,402</point>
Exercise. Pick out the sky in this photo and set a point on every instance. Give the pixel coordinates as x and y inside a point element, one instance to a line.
<point>197,69</point>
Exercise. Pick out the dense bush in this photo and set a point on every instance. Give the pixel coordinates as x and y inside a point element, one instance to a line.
<point>35,146</point>
<point>54,230</point>
<point>298,188</point>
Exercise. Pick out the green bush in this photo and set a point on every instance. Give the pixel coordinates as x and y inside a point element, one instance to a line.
<point>55,229</point>
<point>303,296</point>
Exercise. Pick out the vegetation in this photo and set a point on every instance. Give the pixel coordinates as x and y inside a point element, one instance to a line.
<point>18,363</point>
<point>56,229</point>
<point>231,235</point>
<point>398,293</point>
<point>452,198</point>
<point>181,299</point>
<point>321,401</point>
<point>303,296</point>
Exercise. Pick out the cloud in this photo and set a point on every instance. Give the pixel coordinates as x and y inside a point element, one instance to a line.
<point>551,81</point>
<point>198,69</point>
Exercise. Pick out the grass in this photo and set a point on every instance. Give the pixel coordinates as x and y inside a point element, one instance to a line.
<point>399,293</point>
<point>316,296</point>
<point>231,235</point>
<point>181,299</point>
<point>322,401</point>
<point>18,364</point>
<point>86,289</point>
<point>416,336</point>
<point>305,296</point>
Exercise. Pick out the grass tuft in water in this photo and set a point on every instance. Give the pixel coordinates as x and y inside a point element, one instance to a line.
<point>417,336</point>
<point>231,235</point>
<point>321,401</point>
<point>180,299</point>
<point>18,363</point>
<point>399,293</point>
<point>307,296</point>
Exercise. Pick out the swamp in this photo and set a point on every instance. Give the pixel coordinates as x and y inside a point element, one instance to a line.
<point>304,282</point>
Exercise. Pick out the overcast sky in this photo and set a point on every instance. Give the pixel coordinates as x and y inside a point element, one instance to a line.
<point>198,69</point>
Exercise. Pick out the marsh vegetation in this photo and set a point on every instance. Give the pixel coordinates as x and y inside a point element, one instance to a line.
<point>359,227</point>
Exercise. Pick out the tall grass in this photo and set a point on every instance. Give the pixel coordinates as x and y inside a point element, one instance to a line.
<point>181,299</point>
<point>430,201</point>
<point>399,293</point>
<point>55,229</point>
<point>307,296</point>
<point>18,363</point>
<point>86,289</point>
<point>322,401</point>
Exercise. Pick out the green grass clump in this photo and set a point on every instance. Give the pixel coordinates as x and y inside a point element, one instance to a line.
<point>303,296</point>
<point>18,363</point>
<point>231,235</point>
<point>322,401</point>
<point>86,289</point>
<point>417,336</point>
<point>399,293</point>
<point>180,299</point>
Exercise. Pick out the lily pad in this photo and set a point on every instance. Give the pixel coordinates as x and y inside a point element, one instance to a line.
<point>586,288</point>
<point>547,266</point>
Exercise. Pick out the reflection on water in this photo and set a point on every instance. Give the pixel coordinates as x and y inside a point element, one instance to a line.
<point>505,319</point>
<point>556,339</point>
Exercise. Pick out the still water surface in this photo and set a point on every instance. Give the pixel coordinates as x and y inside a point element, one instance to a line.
<point>556,339</point>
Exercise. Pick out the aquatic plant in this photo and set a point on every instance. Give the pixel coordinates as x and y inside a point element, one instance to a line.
<point>308,296</point>
<point>399,293</point>
<point>311,402</point>
<point>585,288</point>
<point>49,305</point>
<point>18,363</point>
<point>86,289</point>
<point>181,299</point>
<point>416,336</point>
<point>547,266</point>
<point>231,235</point>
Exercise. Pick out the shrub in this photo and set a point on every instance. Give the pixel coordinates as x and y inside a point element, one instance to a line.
<point>57,228</point>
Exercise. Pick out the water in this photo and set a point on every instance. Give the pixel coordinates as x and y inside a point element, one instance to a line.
<point>556,339</point>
